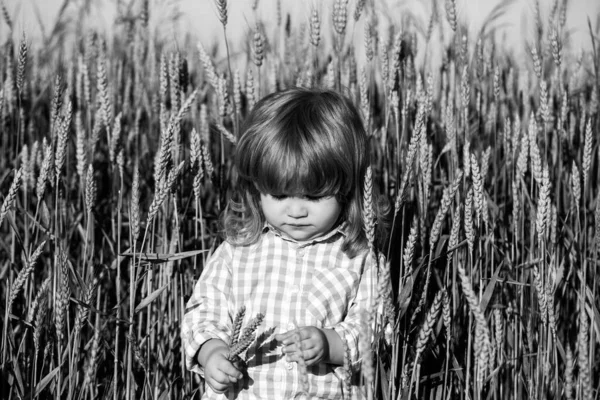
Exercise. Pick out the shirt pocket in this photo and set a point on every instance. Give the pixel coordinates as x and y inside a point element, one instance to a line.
<point>332,289</point>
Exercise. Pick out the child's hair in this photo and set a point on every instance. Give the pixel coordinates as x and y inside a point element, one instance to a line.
<point>300,142</point>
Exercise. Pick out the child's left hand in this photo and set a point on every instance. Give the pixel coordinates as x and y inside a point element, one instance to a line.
<point>312,341</point>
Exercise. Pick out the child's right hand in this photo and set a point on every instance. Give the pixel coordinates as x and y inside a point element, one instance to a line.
<point>219,372</point>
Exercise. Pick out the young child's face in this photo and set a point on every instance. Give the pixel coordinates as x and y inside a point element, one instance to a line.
<point>301,218</point>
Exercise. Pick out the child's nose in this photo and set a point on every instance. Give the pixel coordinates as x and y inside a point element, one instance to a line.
<point>296,208</point>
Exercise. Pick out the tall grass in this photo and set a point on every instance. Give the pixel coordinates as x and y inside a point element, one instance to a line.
<point>115,162</point>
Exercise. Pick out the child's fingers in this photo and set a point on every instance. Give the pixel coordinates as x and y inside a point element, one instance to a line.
<point>219,382</point>
<point>309,357</point>
<point>289,348</point>
<point>286,337</point>
<point>221,379</point>
<point>294,335</point>
<point>232,372</point>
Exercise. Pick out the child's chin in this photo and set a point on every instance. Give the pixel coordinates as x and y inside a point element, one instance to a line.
<point>301,237</point>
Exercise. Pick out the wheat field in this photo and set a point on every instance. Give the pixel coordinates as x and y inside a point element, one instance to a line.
<point>116,161</point>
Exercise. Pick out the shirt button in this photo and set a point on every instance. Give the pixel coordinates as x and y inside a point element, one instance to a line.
<point>301,252</point>
<point>291,326</point>
<point>289,365</point>
<point>295,289</point>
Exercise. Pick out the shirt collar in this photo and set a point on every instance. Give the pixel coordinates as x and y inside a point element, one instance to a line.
<point>339,229</point>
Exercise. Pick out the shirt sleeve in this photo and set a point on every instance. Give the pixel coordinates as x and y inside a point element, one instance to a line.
<point>360,310</point>
<point>207,313</point>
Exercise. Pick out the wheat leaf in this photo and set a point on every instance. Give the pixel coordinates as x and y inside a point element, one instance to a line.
<point>151,297</point>
<point>44,382</point>
<point>489,291</point>
<point>158,258</point>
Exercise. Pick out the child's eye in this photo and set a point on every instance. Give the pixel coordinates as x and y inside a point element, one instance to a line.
<point>279,196</point>
<point>314,198</point>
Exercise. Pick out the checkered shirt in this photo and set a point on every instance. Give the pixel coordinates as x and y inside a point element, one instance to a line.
<point>293,284</point>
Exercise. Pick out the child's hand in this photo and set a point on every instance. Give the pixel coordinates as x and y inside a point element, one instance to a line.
<point>312,341</point>
<point>219,372</point>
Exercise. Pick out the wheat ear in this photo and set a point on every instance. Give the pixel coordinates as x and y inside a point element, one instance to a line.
<point>64,294</point>
<point>90,189</point>
<point>237,326</point>
<point>246,338</point>
<point>569,379</point>
<point>21,64</point>
<point>302,370</point>
<point>347,382</point>
<point>583,359</point>
<point>315,28</point>
<point>9,200</point>
<point>451,13</point>
<point>258,47</point>
<point>23,274</point>
<point>447,198</point>
<point>430,320</point>
<point>83,309</point>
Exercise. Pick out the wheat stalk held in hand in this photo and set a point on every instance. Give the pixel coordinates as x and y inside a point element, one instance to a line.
<point>302,370</point>
<point>246,338</point>
<point>237,326</point>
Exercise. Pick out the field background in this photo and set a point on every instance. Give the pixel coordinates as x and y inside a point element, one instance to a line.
<point>117,125</point>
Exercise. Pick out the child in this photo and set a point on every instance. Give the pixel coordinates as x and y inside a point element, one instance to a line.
<point>295,251</point>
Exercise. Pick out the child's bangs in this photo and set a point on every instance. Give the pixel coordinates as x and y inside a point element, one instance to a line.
<point>289,173</point>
